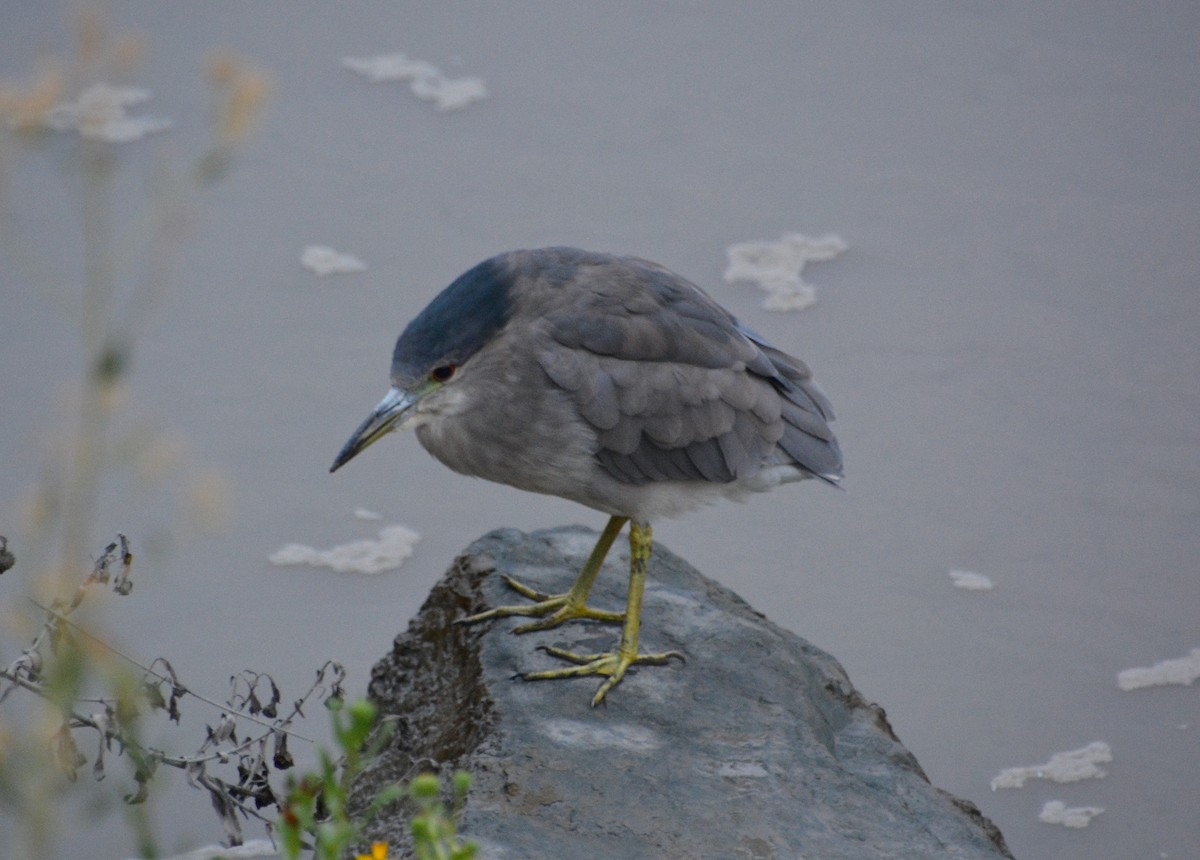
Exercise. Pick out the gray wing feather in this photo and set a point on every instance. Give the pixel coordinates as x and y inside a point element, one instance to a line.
<point>733,449</point>
<point>676,388</point>
<point>621,467</point>
<point>565,368</point>
<point>821,457</point>
<point>603,410</point>
<point>708,458</point>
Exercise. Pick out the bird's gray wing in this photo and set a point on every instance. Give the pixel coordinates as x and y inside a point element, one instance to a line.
<point>806,413</point>
<point>674,387</point>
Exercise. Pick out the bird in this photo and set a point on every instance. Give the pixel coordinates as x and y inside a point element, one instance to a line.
<point>610,381</point>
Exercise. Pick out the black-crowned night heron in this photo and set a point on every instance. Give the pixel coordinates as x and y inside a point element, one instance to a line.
<point>610,381</point>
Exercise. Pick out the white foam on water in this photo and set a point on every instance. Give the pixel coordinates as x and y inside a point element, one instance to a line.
<point>252,848</point>
<point>1179,670</point>
<point>323,260</point>
<point>970,581</point>
<point>395,544</point>
<point>100,114</point>
<point>1057,812</point>
<point>1070,766</point>
<point>777,267</point>
<point>424,79</point>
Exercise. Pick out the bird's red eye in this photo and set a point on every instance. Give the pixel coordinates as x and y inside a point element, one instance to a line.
<point>443,373</point>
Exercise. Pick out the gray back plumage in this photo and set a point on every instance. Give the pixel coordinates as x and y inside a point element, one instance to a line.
<point>673,385</point>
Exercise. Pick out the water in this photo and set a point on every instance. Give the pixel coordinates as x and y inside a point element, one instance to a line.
<point>1009,342</point>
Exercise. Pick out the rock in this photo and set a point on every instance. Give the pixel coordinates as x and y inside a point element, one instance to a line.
<point>757,747</point>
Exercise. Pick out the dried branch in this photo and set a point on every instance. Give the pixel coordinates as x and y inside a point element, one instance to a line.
<point>254,698</point>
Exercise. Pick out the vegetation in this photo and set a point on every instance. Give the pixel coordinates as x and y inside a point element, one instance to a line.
<point>74,692</point>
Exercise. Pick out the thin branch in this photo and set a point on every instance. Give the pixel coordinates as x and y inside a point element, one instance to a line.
<point>99,575</point>
<point>273,725</point>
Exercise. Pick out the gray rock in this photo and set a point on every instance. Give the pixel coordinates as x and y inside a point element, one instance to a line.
<point>757,747</point>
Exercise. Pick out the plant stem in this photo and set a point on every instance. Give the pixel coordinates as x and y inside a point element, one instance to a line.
<point>94,406</point>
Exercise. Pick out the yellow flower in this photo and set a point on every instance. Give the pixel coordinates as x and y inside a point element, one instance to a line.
<point>378,852</point>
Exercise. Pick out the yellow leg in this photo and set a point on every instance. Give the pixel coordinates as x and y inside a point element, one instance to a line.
<point>560,607</point>
<point>613,664</point>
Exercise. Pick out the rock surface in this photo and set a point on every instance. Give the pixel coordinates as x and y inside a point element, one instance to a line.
<point>758,747</point>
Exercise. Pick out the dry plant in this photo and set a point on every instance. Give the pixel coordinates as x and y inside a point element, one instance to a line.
<point>85,694</point>
<point>236,772</point>
<point>73,113</point>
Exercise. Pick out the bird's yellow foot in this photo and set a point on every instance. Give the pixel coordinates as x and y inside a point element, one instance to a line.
<point>556,608</point>
<point>611,664</point>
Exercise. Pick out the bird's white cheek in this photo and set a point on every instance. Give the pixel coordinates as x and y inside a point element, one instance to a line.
<point>443,403</point>
<point>414,420</point>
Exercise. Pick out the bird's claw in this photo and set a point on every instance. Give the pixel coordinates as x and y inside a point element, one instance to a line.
<point>552,609</point>
<point>531,593</point>
<point>610,664</point>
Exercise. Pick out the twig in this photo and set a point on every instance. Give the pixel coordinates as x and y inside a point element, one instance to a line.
<point>273,725</point>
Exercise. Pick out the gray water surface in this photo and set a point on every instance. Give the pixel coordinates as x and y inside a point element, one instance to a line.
<point>1010,343</point>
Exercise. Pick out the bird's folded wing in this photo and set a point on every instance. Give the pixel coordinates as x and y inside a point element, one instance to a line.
<point>676,389</point>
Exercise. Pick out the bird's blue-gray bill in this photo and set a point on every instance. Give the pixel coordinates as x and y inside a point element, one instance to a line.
<point>390,412</point>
